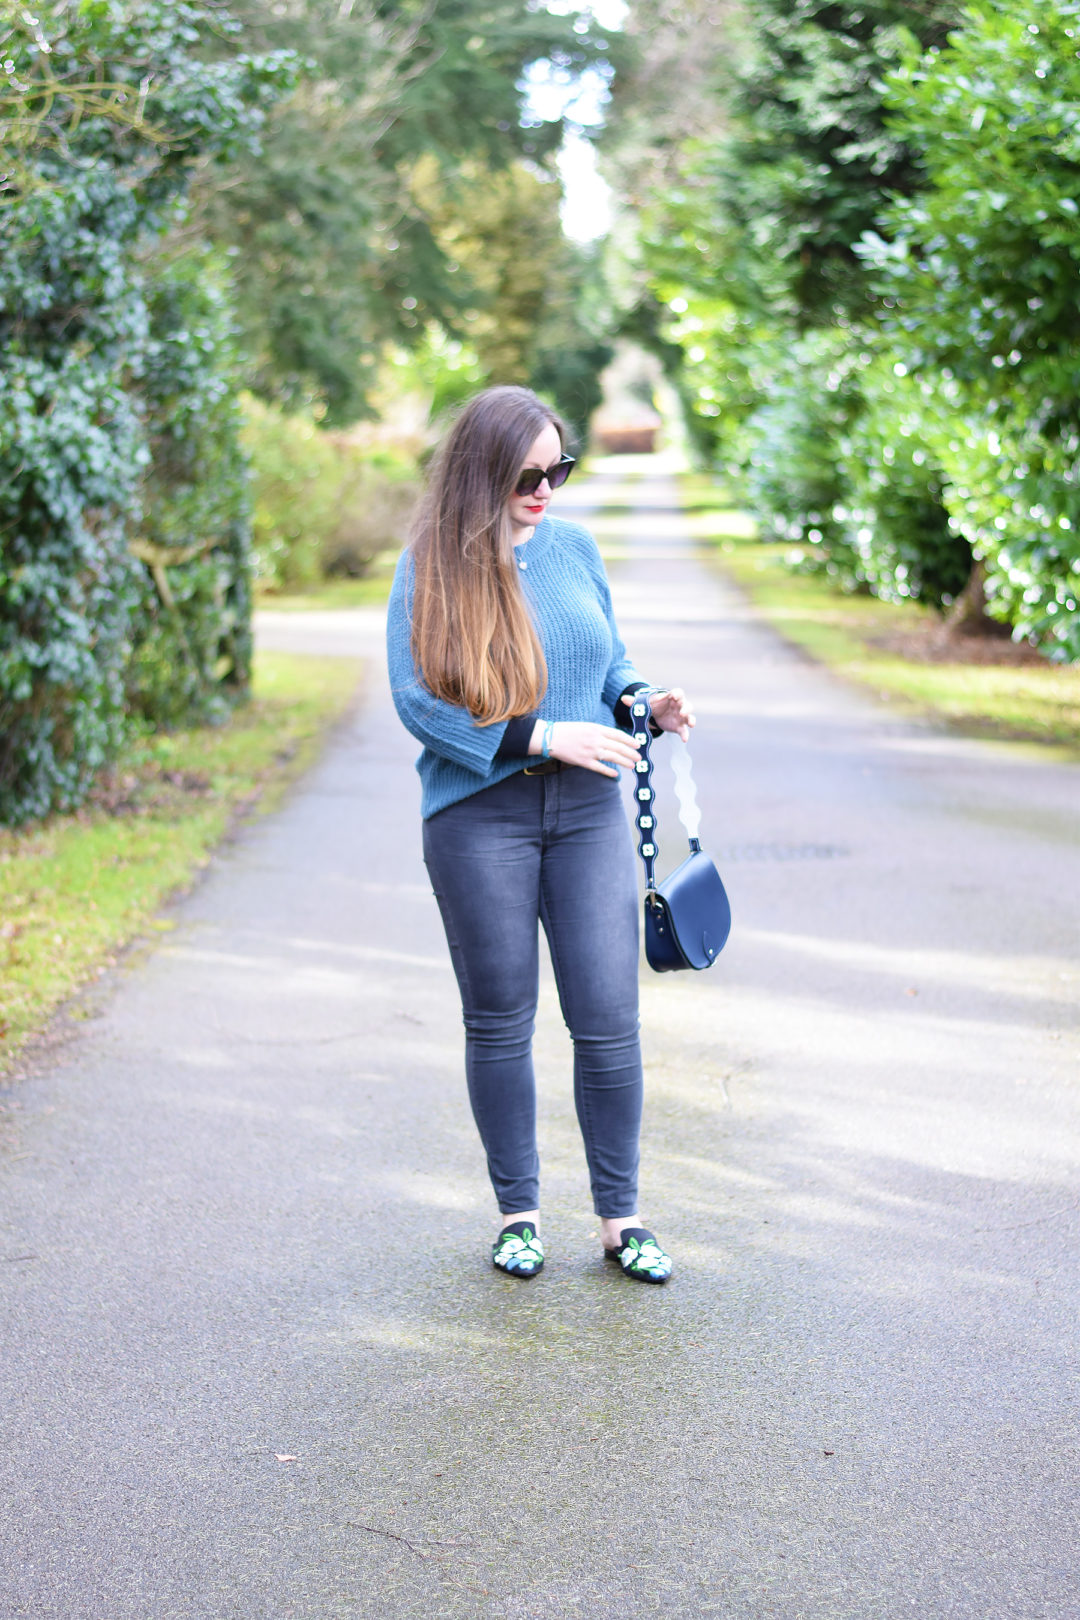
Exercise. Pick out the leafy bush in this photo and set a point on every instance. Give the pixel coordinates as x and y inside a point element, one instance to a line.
<point>897,523</point>
<point>981,281</point>
<point>835,460</point>
<point>376,496</point>
<point>86,385</point>
<point>727,370</point>
<point>879,186</point>
<point>1013,496</point>
<point>323,504</point>
<point>70,455</point>
<point>191,629</point>
<point>796,474</point>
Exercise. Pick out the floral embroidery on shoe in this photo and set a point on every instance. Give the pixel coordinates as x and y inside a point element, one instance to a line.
<point>518,1250</point>
<point>642,1257</point>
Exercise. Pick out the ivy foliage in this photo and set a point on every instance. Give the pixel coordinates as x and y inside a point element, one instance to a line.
<point>191,624</point>
<point>123,535</point>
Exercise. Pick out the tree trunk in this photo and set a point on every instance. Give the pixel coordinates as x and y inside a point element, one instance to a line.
<point>968,615</point>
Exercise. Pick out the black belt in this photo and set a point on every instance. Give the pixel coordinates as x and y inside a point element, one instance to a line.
<point>546,767</point>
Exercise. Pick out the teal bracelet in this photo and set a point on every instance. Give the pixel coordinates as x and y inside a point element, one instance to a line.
<point>545,744</point>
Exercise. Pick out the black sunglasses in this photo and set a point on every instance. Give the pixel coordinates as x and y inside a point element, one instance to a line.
<point>556,475</point>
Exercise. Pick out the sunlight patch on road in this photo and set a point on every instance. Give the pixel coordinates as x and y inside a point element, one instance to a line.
<point>420,1187</point>
<point>1044,977</point>
<point>361,953</point>
<point>428,1337</point>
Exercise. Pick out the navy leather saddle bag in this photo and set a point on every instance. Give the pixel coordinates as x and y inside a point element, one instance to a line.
<point>687,915</point>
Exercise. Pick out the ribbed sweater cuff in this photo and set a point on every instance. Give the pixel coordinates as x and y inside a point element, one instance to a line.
<point>516,738</point>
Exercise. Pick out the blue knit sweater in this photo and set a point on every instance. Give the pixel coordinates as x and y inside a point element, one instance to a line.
<point>568,595</point>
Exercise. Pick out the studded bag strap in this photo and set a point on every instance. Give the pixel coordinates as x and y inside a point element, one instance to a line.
<point>644,792</point>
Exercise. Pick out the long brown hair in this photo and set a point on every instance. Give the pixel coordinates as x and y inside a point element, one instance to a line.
<point>473,639</point>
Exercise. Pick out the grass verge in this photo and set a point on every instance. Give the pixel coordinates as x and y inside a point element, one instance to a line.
<point>75,889</point>
<point>980,688</point>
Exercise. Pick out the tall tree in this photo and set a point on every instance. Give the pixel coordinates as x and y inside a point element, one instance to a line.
<point>666,90</point>
<point>813,157</point>
<point>336,253</point>
<point>775,150</point>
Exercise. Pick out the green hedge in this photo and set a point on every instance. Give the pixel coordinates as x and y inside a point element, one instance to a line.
<point>191,630</point>
<point>839,464</point>
<point>871,273</point>
<point>978,286</point>
<point>118,452</point>
<point>72,451</point>
<point>898,524</point>
<point>795,471</point>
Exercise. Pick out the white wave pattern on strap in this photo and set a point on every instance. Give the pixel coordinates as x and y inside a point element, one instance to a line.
<point>685,791</point>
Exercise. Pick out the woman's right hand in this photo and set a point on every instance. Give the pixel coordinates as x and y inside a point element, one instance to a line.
<point>593,747</point>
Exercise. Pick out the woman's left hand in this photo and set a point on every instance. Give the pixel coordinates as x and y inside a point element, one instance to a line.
<point>671,711</point>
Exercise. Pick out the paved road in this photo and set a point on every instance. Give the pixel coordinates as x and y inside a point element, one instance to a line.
<point>255,1364</point>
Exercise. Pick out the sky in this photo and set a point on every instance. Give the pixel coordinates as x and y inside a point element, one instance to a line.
<point>586,211</point>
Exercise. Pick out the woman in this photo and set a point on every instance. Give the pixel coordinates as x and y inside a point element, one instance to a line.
<point>507,666</point>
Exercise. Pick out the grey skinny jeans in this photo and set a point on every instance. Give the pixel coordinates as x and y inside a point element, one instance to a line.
<point>555,850</point>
